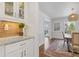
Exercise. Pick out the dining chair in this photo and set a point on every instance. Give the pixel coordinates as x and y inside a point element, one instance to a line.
<point>75,42</point>
<point>64,39</point>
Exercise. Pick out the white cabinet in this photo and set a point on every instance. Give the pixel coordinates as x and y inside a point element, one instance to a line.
<point>30,50</point>
<point>20,49</point>
<point>12,50</point>
<point>14,10</point>
<point>1,51</point>
<point>27,48</point>
<point>15,53</point>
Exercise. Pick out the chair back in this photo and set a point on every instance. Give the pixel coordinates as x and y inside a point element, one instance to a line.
<point>63,35</point>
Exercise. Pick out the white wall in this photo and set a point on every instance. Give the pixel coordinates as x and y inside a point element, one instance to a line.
<point>77,25</point>
<point>41,33</point>
<point>35,20</point>
<point>43,19</point>
<point>58,34</point>
<point>50,29</point>
<point>32,20</point>
<point>1,9</point>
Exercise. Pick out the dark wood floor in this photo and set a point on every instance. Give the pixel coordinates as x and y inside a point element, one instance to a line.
<point>54,48</point>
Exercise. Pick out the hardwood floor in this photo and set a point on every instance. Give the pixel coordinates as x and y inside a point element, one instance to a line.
<point>41,51</point>
<point>54,48</point>
<point>42,48</point>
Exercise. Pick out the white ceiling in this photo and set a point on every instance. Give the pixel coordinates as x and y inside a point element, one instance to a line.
<point>58,9</point>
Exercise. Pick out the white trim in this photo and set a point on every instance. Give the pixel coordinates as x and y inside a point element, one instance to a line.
<point>41,43</point>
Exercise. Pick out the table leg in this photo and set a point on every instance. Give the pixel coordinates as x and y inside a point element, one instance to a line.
<point>68,45</point>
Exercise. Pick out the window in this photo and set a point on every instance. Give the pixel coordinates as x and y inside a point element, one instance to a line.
<point>70,27</point>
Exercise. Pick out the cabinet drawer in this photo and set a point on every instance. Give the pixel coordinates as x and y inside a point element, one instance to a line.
<point>1,51</point>
<point>18,45</point>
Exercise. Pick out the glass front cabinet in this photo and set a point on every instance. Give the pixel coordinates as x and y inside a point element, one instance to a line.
<point>14,9</point>
<point>21,10</point>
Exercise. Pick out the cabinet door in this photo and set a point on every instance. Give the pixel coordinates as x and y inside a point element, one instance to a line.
<point>29,50</point>
<point>21,10</point>
<point>20,49</point>
<point>13,50</point>
<point>15,53</point>
<point>9,8</point>
<point>14,10</point>
<point>24,51</point>
<point>1,51</point>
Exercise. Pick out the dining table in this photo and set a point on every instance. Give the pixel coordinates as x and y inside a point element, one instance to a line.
<point>68,38</point>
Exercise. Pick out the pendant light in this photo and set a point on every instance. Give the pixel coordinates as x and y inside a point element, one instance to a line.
<point>73,16</point>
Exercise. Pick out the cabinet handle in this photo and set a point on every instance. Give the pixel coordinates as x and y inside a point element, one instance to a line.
<point>22,44</point>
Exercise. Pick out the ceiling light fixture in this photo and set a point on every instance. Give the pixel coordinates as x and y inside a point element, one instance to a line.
<point>73,16</point>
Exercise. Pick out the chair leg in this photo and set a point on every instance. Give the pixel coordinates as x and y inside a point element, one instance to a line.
<point>72,53</point>
<point>64,43</point>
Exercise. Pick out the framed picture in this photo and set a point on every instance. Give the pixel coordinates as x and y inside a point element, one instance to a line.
<point>9,8</point>
<point>56,26</point>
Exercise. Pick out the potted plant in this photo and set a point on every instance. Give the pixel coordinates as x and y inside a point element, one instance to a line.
<point>21,25</point>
